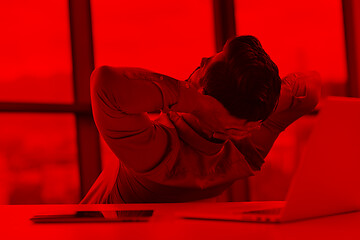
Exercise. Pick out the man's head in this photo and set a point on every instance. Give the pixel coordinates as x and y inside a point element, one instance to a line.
<point>242,77</point>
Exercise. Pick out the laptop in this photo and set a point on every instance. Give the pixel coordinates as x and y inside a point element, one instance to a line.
<point>327,179</point>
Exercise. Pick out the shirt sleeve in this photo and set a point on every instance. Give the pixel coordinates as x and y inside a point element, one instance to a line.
<point>300,94</point>
<point>137,141</point>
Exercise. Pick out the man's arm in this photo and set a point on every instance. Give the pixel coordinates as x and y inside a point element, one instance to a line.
<point>120,99</point>
<point>136,90</point>
<point>300,93</point>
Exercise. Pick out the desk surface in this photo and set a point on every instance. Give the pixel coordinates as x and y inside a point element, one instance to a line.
<point>164,224</point>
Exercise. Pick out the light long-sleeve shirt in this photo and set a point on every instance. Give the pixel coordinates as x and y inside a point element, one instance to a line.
<point>184,166</point>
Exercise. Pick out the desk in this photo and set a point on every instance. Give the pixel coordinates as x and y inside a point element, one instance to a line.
<point>15,224</point>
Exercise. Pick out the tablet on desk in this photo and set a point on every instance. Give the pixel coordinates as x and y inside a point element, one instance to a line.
<point>96,216</point>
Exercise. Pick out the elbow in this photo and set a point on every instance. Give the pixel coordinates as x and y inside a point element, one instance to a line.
<point>101,71</point>
<point>306,92</point>
<point>102,81</point>
<point>108,85</point>
<point>99,79</point>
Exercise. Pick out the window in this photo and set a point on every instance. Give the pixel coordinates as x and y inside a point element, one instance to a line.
<point>35,52</point>
<point>299,36</point>
<point>38,159</point>
<point>38,151</point>
<point>164,36</point>
<point>38,154</point>
<point>169,37</point>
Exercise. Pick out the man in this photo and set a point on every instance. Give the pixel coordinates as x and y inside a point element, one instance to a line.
<point>215,128</point>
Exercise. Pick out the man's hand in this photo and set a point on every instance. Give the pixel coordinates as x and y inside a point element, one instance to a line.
<point>218,122</point>
<point>212,117</point>
<point>299,85</point>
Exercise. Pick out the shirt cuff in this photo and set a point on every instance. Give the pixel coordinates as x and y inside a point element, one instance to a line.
<point>170,90</point>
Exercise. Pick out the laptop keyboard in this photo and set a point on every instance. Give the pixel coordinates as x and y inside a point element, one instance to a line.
<point>272,211</point>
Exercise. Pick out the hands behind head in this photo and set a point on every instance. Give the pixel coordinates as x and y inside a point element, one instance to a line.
<point>217,122</point>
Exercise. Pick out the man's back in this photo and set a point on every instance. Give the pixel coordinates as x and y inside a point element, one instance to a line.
<point>184,166</point>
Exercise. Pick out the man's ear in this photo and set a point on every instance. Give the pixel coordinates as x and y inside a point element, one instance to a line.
<point>202,91</point>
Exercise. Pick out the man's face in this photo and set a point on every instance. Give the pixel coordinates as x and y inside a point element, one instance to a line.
<point>197,77</point>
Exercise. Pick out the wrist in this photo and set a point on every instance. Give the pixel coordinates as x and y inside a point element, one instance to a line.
<point>189,101</point>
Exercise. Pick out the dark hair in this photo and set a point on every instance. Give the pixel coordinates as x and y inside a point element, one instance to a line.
<point>247,82</point>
